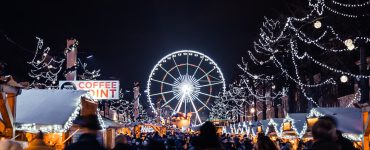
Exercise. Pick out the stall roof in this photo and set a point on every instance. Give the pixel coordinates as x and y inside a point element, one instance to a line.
<point>47,107</point>
<point>349,119</point>
<point>279,122</point>
<point>299,120</point>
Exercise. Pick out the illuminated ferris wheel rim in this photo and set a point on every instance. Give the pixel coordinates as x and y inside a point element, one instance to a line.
<point>176,53</point>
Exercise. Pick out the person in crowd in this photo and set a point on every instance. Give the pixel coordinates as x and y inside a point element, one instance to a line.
<point>264,143</point>
<point>208,138</point>
<point>248,145</point>
<point>88,139</point>
<point>6,144</point>
<point>323,132</point>
<point>121,143</point>
<point>344,143</point>
<point>38,143</point>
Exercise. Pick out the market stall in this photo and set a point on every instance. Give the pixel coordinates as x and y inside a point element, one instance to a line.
<point>349,120</point>
<point>49,111</point>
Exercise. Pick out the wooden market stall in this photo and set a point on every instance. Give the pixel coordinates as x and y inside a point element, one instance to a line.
<point>349,121</point>
<point>52,112</point>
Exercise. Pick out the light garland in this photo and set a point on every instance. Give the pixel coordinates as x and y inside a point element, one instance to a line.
<point>42,61</point>
<point>351,5</point>
<point>274,33</point>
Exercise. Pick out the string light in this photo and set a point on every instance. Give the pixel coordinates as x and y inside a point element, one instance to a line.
<point>45,69</point>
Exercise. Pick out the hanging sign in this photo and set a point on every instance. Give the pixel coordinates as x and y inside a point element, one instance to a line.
<point>107,89</point>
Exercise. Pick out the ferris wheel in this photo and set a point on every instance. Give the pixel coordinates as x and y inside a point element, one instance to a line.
<point>185,81</point>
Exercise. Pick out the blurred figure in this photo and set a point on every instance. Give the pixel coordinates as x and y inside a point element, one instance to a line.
<point>208,138</point>
<point>248,144</point>
<point>88,140</point>
<point>121,143</point>
<point>6,144</point>
<point>344,143</point>
<point>323,132</point>
<point>264,143</point>
<point>38,143</point>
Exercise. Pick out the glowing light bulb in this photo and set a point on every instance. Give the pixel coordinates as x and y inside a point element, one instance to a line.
<point>351,47</point>
<point>343,79</point>
<point>273,87</point>
<point>252,110</point>
<point>317,24</point>
<point>348,42</point>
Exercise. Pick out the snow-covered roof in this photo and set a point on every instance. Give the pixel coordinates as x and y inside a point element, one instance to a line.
<point>299,120</point>
<point>349,119</point>
<point>278,122</point>
<point>47,107</point>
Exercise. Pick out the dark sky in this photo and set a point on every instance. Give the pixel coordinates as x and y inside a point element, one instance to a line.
<point>127,38</point>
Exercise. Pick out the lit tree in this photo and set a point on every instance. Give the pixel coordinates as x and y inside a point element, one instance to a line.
<point>306,53</point>
<point>46,68</point>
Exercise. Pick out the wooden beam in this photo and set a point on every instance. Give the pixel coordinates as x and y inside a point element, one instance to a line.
<point>6,111</point>
<point>12,102</point>
<point>7,116</point>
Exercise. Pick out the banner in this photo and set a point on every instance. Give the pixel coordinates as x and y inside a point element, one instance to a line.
<point>107,89</point>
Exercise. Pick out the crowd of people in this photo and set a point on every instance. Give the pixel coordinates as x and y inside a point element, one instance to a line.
<point>325,136</point>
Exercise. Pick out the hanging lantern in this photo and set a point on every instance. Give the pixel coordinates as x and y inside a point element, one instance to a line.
<point>287,126</point>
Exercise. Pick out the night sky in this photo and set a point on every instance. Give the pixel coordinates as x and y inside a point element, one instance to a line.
<point>127,38</point>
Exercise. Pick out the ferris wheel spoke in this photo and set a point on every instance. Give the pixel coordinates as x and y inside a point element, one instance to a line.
<point>210,84</point>
<point>187,64</point>
<point>200,101</point>
<point>178,106</point>
<point>215,78</point>
<point>177,67</point>
<point>168,73</point>
<point>162,82</point>
<point>168,101</point>
<point>206,74</point>
<point>161,93</point>
<point>206,94</point>
<point>197,67</point>
<point>196,112</point>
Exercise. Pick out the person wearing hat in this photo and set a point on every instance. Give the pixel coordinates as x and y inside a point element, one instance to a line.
<point>88,139</point>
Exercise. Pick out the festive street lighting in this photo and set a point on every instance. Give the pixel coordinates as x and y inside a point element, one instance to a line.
<point>343,79</point>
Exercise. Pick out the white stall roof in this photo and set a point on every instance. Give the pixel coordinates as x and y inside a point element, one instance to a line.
<point>299,120</point>
<point>47,107</point>
<point>349,119</point>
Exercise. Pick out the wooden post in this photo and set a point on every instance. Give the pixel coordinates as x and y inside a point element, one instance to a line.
<point>7,115</point>
<point>71,54</point>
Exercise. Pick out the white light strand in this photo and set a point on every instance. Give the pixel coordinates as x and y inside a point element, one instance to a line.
<point>356,98</point>
<point>351,5</point>
<point>45,69</point>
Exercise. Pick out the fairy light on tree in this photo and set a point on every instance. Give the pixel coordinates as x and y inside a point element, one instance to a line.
<point>46,69</point>
<point>286,46</point>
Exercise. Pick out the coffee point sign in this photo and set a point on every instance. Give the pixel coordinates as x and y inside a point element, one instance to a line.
<point>107,89</point>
